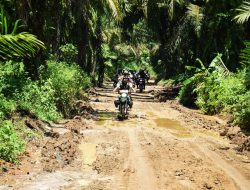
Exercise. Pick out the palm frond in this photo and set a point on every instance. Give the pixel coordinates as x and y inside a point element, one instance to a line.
<point>244,13</point>
<point>195,13</point>
<point>171,9</point>
<point>114,7</point>
<point>245,54</point>
<point>22,45</point>
<point>170,5</point>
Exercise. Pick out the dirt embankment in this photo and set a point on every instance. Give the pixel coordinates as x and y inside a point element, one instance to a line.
<point>51,147</point>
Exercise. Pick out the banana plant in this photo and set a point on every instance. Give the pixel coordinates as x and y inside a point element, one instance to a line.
<point>17,45</point>
<point>217,65</point>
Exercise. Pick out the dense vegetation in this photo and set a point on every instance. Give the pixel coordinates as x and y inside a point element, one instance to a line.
<point>51,51</point>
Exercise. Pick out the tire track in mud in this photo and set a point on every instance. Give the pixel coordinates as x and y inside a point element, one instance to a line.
<point>178,167</point>
<point>233,178</point>
<point>237,177</point>
<point>152,158</point>
<point>142,175</point>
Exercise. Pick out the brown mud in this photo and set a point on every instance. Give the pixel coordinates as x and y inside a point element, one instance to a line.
<point>161,146</point>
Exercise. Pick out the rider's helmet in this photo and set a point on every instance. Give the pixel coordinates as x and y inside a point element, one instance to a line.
<point>123,71</point>
<point>126,73</point>
<point>141,71</point>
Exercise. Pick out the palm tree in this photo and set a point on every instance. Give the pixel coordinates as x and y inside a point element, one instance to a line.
<point>244,13</point>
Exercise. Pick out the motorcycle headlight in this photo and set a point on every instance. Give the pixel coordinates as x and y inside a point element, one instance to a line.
<point>124,95</point>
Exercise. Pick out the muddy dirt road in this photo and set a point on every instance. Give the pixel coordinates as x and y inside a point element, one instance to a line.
<point>162,146</point>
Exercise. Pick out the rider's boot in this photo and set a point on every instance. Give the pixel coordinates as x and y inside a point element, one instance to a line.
<point>116,102</point>
<point>131,104</point>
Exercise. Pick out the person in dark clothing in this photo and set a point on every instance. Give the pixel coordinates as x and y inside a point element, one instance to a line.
<point>140,75</point>
<point>125,83</point>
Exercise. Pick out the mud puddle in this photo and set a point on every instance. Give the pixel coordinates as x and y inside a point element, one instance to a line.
<point>174,127</point>
<point>88,151</point>
<point>178,130</point>
<point>110,119</point>
<point>103,117</point>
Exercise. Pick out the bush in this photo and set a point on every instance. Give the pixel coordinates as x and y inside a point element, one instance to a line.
<point>188,95</point>
<point>10,143</point>
<point>241,110</point>
<point>68,53</point>
<point>68,82</point>
<point>220,93</point>
<point>207,94</point>
<point>6,106</point>
<point>216,93</point>
<point>12,78</point>
<point>40,100</point>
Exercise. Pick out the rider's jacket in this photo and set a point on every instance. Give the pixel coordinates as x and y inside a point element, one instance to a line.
<point>125,86</point>
<point>141,74</point>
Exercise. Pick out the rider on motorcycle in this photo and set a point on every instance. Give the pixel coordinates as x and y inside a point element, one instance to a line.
<point>125,83</point>
<point>140,74</point>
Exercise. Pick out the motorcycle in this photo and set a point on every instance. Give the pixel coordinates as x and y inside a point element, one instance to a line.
<point>123,104</point>
<point>141,84</point>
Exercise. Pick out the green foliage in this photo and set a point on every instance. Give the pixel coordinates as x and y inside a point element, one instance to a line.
<point>214,90</point>
<point>22,45</point>
<point>241,110</point>
<point>108,55</point>
<point>247,77</point>
<point>39,99</point>
<point>12,78</point>
<point>130,57</point>
<point>195,14</point>
<point>60,85</point>
<point>187,95</point>
<point>245,54</point>
<point>243,12</point>
<point>6,106</point>
<point>166,82</point>
<point>11,144</point>
<point>68,53</point>
<point>14,45</point>
<point>68,82</point>
<point>225,94</point>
